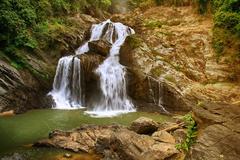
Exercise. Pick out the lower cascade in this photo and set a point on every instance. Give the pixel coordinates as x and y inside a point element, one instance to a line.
<point>68,92</point>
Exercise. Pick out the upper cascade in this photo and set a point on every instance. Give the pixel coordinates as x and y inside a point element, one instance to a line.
<point>114,33</point>
<point>67,88</point>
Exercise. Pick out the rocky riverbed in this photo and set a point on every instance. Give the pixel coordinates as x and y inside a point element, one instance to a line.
<point>143,139</point>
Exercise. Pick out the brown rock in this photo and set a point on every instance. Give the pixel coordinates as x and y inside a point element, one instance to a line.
<point>112,142</point>
<point>180,135</point>
<point>163,136</point>
<point>144,125</point>
<point>7,113</point>
<point>128,145</point>
<point>82,139</point>
<point>101,47</point>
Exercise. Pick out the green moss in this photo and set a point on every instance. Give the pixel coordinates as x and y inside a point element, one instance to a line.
<point>134,41</point>
<point>152,23</point>
<point>200,104</point>
<point>170,78</point>
<point>157,71</point>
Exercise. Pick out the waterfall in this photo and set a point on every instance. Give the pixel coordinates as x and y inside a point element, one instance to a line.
<point>113,75</point>
<point>67,90</point>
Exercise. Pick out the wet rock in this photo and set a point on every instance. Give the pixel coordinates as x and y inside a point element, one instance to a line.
<point>144,125</point>
<point>89,63</point>
<point>101,47</point>
<point>163,136</point>
<point>218,132</point>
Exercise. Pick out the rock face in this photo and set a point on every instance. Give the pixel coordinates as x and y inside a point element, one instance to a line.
<point>144,125</point>
<point>16,91</point>
<point>219,132</point>
<point>171,61</point>
<point>115,142</point>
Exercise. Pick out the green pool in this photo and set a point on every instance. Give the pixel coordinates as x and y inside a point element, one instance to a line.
<point>17,132</point>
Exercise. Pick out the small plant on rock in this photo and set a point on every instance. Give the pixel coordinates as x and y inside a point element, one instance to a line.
<point>191,133</point>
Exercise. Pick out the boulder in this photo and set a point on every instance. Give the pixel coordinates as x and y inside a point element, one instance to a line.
<point>82,139</point>
<point>129,145</point>
<point>163,136</point>
<point>144,125</point>
<point>101,47</point>
<point>111,142</point>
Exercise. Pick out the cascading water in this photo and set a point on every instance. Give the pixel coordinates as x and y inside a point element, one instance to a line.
<point>67,88</point>
<point>112,75</point>
<point>67,92</point>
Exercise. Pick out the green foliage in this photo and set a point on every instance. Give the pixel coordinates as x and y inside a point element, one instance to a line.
<point>227,20</point>
<point>157,71</point>
<point>226,24</point>
<point>27,24</point>
<point>191,133</point>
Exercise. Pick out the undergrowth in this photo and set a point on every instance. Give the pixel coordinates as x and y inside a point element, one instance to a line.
<point>191,133</point>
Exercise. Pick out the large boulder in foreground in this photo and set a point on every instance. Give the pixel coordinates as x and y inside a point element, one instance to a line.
<point>128,145</point>
<point>144,125</point>
<point>114,142</point>
<point>82,139</point>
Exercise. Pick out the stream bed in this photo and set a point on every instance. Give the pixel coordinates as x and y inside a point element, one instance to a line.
<point>18,132</point>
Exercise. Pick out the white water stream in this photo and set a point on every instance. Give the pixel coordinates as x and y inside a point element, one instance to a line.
<point>67,91</point>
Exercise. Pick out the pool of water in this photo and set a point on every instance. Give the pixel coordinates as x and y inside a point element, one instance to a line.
<point>22,130</point>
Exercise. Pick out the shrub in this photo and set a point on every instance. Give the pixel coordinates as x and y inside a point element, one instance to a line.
<point>191,133</point>
<point>227,20</point>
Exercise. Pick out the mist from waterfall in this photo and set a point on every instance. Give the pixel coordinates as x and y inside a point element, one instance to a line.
<point>67,90</point>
